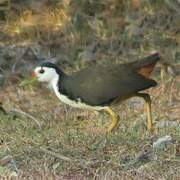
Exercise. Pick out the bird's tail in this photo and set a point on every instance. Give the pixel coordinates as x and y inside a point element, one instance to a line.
<point>149,60</point>
<point>147,64</point>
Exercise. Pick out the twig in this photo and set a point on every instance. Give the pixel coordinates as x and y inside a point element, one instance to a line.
<point>173,107</point>
<point>64,158</point>
<point>27,115</point>
<point>171,160</point>
<point>12,159</point>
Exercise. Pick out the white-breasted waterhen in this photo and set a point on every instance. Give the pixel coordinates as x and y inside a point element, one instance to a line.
<point>98,87</point>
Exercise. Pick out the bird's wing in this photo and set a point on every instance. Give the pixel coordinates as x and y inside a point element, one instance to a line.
<point>101,85</point>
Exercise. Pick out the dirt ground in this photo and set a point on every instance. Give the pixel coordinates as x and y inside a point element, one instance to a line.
<point>41,138</point>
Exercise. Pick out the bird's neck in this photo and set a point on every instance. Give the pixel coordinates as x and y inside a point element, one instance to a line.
<point>57,83</point>
<point>54,82</point>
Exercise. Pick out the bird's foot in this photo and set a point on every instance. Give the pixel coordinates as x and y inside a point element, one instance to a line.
<point>114,123</point>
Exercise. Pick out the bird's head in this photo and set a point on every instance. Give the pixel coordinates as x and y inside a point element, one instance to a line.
<point>46,72</point>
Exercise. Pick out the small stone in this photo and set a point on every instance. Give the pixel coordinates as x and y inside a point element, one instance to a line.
<point>162,142</point>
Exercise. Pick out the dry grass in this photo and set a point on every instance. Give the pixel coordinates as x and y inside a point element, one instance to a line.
<point>71,144</point>
<point>40,138</point>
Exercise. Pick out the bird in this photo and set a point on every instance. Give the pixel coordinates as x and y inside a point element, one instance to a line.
<point>99,87</point>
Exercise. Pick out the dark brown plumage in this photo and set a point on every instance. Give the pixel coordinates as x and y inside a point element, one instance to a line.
<point>97,87</point>
<point>101,85</point>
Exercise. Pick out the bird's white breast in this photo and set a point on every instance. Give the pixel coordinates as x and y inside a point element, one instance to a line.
<point>66,100</point>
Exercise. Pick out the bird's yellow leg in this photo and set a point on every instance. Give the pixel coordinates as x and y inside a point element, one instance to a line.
<point>147,99</point>
<point>115,119</point>
<point>149,116</point>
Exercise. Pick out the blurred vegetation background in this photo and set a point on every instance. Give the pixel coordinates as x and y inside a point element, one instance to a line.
<point>40,138</point>
<point>76,33</point>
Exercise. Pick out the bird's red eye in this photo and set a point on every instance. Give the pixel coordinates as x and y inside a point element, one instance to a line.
<point>41,71</point>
